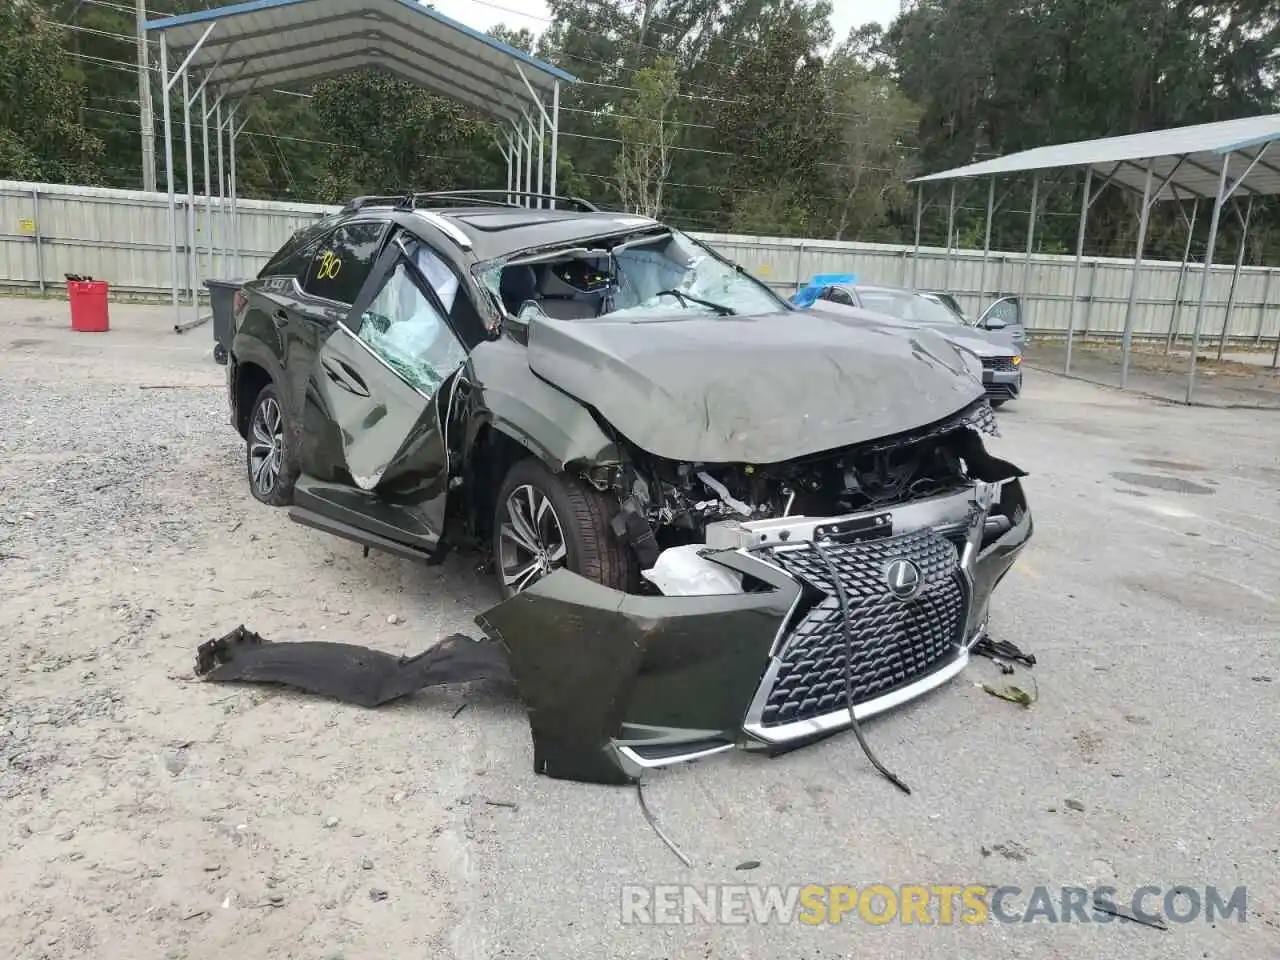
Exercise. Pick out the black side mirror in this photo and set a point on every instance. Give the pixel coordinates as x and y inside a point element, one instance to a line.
<point>995,323</point>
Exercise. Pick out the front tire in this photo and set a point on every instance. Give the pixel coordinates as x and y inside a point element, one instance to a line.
<point>545,521</point>
<point>268,458</point>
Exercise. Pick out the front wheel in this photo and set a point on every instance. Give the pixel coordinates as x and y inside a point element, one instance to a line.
<point>545,521</point>
<point>269,461</point>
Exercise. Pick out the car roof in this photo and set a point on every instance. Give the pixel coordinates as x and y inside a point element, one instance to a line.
<point>496,230</point>
<point>876,288</point>
<point>500,231</point>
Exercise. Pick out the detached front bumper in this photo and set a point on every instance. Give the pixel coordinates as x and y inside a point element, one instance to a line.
<point>615,683</point>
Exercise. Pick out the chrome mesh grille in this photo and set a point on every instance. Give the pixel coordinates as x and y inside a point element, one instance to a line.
<point>894,642</point>
<point>999,363</point>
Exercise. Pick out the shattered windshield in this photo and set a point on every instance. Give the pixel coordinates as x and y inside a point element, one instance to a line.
<point>667,274</point>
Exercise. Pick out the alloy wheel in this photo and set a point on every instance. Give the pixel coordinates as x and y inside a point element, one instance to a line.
<point>266,446</point>
<point>531,542</point>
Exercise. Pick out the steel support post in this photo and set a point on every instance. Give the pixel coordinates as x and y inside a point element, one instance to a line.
<point>208,194</point>
<point>528,164</point>
<point>1031,241</point>
<point>168,169</point>
<point>542,139</point>
<point>222,194</point>
<point>915,256</point>
<point>986,242</point>
<point>1175,320</point>
<point>519,147</point>
<point>1207,274</point>
<point>1235,274</point>
<point>1126,342</point>
<point>192,267</point>
<point>555,140</point>
<point>232,132</point>
<point>1086,200</point>
<point>951,226</point>
<point>510,155</point>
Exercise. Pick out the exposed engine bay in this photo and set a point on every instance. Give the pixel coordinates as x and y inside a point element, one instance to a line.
<point>670,505</point>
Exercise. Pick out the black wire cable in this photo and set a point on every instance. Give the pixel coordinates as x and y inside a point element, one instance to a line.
<point>848,667</point>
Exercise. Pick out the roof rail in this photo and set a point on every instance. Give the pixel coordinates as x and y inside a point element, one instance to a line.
<point>359,203</point>
<point>496,198</point>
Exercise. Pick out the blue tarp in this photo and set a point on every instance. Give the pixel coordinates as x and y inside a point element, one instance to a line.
<point>806,296</point>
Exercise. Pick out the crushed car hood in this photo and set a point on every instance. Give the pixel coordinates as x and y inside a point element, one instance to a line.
<point>760,389</point>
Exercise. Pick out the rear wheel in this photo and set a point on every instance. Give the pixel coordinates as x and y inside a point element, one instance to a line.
<point>271,467</point>
<point>545,521</point>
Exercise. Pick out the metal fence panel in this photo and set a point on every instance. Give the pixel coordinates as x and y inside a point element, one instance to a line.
<point>48,230</point>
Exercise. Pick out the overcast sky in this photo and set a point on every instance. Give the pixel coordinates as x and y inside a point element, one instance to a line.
<point>483,14</point>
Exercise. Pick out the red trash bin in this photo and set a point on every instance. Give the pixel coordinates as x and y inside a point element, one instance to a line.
<point>88,305</point>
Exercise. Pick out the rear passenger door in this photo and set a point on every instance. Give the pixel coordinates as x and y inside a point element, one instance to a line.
<point>312,303</point>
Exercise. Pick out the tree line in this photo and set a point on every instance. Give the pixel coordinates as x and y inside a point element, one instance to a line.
<point>744,116</point>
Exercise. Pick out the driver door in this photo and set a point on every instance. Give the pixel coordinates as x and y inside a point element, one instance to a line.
<point>380,376</point>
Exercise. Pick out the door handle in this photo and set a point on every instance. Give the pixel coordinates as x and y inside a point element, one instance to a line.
<point>343,376</point>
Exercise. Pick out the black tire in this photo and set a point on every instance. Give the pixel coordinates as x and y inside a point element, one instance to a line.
<point>279,492</point>
<point>997,404</point>
<point>583,514</point>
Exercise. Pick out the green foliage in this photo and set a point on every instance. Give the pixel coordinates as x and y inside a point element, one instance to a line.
<point>394,137</point>
<point>648,138</point>
<point>41,136</point>
<point>719,114</point>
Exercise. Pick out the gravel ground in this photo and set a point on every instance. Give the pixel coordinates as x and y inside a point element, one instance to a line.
<point>143,815</point>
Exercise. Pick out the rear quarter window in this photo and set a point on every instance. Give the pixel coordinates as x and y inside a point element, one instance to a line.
<point>343,260</point>
<point>294,258</point>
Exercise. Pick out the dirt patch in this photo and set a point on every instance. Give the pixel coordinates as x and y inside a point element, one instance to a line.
<point>1157,482</point>
<point>1168,465</point>
<point>1209,597</point>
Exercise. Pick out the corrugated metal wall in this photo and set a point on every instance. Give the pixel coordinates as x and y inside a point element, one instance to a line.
<point>122,236</point>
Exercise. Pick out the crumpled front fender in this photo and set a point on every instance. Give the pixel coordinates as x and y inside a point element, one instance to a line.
<point>600,670</point>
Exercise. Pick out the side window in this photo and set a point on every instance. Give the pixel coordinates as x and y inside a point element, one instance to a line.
<point>403,326</point>
<point>342,263</point>
<point>294,258</point>
<point>1007,309</point>
<point>836,295</point>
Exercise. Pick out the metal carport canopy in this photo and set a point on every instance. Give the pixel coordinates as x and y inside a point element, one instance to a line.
<point>1185,159</point>
<point>1212,161</point>
<point>226,54</point>
<point>273,43</point>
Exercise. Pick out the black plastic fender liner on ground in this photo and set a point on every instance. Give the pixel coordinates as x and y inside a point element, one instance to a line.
<point>346,672</point>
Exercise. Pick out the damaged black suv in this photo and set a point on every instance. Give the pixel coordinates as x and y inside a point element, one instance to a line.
<point>716,520</point>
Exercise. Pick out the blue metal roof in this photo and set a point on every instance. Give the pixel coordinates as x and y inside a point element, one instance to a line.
<point>262,44</point>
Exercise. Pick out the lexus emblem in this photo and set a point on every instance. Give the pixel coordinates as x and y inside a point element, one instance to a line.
<point>904,579</point>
